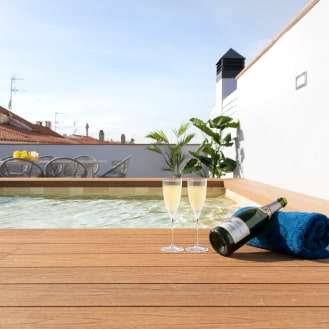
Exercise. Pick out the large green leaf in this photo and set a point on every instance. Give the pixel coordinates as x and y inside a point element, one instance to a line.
<point>222,122</point>
<point>230,163</point>
<point>191,166</point>
<point>202,126</point>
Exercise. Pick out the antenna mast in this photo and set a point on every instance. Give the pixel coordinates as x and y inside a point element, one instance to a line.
<point>56,122</point>
<point>13,90</point>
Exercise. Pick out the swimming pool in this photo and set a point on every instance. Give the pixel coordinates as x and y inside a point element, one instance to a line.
<point>106,208</point>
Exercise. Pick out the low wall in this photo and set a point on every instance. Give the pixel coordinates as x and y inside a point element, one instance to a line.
<point>144,163</point>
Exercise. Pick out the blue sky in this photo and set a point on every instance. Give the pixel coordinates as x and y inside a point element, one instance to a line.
<point>126,66</point>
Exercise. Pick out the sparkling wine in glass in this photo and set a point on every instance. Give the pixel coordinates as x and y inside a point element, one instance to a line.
<point>172,191</point>
<point>197,191</point>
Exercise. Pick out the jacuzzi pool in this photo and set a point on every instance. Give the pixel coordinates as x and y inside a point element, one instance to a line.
<point>106,208</point>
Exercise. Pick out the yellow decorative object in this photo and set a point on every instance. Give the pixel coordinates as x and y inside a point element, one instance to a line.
<point>33,156</point>
<point>17,154</point>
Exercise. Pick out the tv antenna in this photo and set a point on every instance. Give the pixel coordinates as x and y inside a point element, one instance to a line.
<point>56,122</point>
<point>75,130</point>
<point>13,90</point>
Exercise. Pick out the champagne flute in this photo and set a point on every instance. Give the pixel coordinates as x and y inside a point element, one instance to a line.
<point>172,190</point>
<point>197,190</point>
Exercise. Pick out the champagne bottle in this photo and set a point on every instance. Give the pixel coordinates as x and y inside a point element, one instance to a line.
<point>238,230</point>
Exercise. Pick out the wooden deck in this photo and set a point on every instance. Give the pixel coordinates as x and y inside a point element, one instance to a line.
<point>119,278</point>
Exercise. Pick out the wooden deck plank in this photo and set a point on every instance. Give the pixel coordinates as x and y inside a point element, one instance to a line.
<point>164,317</point>
<point>151,295</point>
<point>9,236</point>
<point>150,246</point>
<point>163,274</point>
<point>138,241</point>
<point>248,256</point>
<point>96,235</point>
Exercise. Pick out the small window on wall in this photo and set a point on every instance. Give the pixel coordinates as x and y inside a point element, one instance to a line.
<point>301,80</point>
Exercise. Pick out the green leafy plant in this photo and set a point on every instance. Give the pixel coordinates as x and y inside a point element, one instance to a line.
<point>172,154</point>
<point>210,153</point>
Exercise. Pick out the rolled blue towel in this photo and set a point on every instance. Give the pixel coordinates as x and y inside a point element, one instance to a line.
<point>300,234</point>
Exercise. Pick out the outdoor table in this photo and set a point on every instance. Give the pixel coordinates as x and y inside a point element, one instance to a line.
<point>89,164</point>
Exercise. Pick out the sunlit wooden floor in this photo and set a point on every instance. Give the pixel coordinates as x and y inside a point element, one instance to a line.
<point>119,278</point>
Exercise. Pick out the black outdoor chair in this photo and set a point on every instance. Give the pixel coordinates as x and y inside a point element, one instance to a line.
<point>65,167</point>
<point>119,170</point>
<point>20,167</point>
<point>46,158</point>
<point>43,160</point>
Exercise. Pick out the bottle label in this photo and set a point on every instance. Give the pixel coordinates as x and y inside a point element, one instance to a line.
<point>236,227</point>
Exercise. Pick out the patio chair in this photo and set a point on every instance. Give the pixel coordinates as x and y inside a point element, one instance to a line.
<point>43,160</point>
<point>19,167</point>
<point>46,158</point>
<point>119,170</point>
<point>5,158</point>
<point>95,166</point>
<point>65,167</point>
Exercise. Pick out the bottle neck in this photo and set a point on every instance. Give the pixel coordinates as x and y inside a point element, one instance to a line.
<point>271,208</point>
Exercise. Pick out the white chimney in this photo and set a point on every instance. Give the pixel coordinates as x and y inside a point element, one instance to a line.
<point>48,124</point>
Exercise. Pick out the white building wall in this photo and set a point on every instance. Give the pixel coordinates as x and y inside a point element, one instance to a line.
<point>229,106</point>
<point>285,132</point>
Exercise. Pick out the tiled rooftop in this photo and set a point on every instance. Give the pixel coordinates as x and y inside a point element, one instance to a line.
<point>14,130</point>
<point>11,134</point>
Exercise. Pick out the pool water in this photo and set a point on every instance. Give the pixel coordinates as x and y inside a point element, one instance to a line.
<point>106,210</point>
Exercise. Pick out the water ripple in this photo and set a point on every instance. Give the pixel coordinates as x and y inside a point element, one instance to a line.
<point>106,212</point>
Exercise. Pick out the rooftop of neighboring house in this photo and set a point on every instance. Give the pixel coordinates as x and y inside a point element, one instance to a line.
<point>79,139</point>
<point>14,130</point>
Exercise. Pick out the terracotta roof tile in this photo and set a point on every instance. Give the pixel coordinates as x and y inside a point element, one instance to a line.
<point>87,140</point>
<point>12,134</point>
<point>27,132</point>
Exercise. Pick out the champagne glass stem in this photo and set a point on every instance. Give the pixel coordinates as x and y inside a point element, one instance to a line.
<point>197,248</point>
<point>197,191</point>
<point>172,230</point>
<point>197,229</point>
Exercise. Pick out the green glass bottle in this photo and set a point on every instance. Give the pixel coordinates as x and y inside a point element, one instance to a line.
<point>233,233</point>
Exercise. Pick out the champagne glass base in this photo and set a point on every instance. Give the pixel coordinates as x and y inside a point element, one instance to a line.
<point>172,249</point>
<point>196,249</point>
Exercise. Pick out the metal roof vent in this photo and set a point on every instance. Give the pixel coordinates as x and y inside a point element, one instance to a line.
<point>230,65</point>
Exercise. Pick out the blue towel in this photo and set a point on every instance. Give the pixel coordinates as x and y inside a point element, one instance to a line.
<point>305,235</point>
